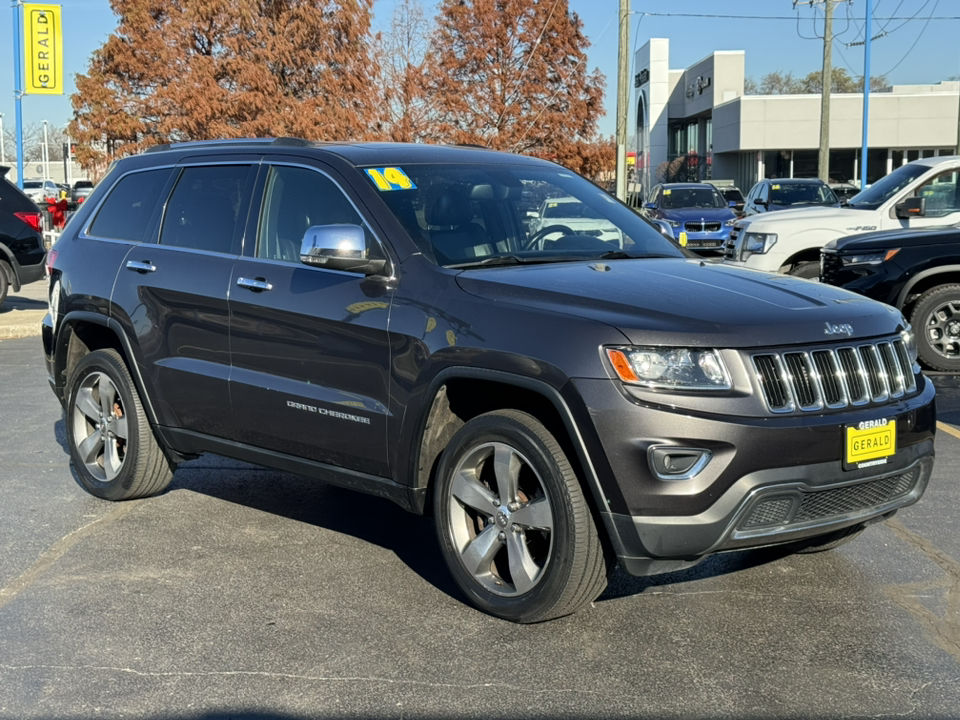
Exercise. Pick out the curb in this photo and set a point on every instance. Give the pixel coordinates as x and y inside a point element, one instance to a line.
<point>28,326</point>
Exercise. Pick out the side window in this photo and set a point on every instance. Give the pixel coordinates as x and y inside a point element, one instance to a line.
<point>655,195</point>
<point>763,192</point>
<point>204,207</point>
<point>126,213</point>
<point>294,200</point>
<point>940,194</point>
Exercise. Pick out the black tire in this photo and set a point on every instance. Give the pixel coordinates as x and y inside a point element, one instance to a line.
<point>828,541</point>
<point>936,322</point>
<point>102,406</point>
<point>809,270</point>
<point>538,554</point>
<point>4,282</point>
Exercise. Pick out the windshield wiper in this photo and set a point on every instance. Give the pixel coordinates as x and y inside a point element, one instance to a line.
<point>513,260</point>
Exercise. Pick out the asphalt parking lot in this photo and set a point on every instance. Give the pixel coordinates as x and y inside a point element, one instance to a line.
<point>247,593</point>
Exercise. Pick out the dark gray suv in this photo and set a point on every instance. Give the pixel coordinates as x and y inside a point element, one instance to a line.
<point>380,317</point>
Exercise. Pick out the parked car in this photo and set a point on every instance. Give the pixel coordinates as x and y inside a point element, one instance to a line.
<point>783,193</point>
<point>916,271</point>
<point>564,216</point>
<point>21,238</point>
<point>733,195</point>
<point>698,214</point>
<point>844,191</point>
<point>922,193</point>
<point>377,317</point>
<point>40,190</point>
<point>81,191</point>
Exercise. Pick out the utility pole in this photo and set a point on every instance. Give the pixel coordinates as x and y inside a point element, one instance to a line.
<point>3,150</point>
<point>623,62</point>
<point>826,79</point>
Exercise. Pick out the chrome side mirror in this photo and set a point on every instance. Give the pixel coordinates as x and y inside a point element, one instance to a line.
<point>339,247</point>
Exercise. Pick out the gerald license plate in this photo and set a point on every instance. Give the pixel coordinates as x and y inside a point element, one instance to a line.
<point>869,443</point>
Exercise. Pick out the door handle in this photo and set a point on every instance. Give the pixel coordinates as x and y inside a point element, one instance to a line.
<point>141,267</point>
<point>258,284</point>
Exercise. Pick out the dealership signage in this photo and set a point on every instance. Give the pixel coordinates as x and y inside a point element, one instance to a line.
<point>641,78</point>
<point>43,49</point>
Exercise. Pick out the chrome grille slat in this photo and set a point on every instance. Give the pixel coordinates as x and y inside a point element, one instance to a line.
<point>835,377</point>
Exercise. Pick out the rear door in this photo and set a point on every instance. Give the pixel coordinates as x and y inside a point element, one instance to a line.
<point>310,353</point>
<point>171,294</point>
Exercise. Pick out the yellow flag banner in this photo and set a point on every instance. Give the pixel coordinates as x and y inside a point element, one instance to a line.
<point>43,48</point>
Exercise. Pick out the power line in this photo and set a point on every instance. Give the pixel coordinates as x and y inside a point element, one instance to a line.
<point>791,18</point>
<point>922,30</point>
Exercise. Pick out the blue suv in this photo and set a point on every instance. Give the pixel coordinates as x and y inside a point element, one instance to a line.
<point>697,213</point>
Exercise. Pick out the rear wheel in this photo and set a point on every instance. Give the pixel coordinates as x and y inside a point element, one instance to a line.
<point>111,442</point>
<point>936,322</point>
<point>512,521</point>
<point>4,281</point>
<point>809,270</point>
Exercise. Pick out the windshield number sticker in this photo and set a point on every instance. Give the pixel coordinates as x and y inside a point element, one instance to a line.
<point>390,178</point>
<point>776,187</point>
<point>667,192</point>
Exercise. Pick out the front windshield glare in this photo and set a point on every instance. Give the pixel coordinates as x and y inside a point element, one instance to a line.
<point>675,198</point>
<point>494,214</point>
<point>884,189</point>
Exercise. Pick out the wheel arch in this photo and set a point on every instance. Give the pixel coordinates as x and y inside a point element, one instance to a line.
<point>6,256</point>
<point>457,394</point>
<point>924,281</point>
<point>80,334</point>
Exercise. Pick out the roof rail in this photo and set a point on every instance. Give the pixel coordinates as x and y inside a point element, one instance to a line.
<point>199,144</point>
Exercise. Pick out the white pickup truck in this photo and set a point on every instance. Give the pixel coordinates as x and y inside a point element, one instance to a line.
<point>921,193</point>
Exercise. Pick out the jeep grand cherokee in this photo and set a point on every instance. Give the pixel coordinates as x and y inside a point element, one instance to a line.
<point>378,316</point>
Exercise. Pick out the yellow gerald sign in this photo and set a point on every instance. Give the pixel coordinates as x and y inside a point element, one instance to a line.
<point>43,49</point>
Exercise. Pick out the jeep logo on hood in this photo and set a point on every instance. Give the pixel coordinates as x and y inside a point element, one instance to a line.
<point>841,329</point>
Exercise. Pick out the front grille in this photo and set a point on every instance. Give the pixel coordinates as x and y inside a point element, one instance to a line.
<point>841,501</point>
<point>702,226</point>
<point>814,505</point>
<point>732,250</point>
<point>829,265</point>
<point>834,378</point>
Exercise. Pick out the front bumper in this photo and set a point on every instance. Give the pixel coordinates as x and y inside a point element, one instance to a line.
<point>712,241</point>
<point>770,480</point>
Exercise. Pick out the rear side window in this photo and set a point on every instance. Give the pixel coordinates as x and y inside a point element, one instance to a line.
<point>204,208</point>
<point>126,213</point>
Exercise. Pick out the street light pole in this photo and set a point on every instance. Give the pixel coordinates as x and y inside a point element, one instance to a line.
<point>46,153</point>
<point>622,92</point>
<point>3,147</point>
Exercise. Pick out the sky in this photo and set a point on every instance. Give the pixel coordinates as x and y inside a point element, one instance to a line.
<point>913,50</point>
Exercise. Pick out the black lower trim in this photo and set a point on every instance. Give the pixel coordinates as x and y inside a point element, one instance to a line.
<point>188,442</point>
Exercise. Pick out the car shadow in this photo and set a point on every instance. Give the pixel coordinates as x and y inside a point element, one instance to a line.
<point>410,537</point>
<point>14,302</point>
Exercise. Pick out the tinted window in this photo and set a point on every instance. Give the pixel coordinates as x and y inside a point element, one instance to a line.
<point>125,215</point>
<point>801,194</point>
<point>204,207</point>
<point>940,194</point>
<point>83,184</point>
<point>885,188</point>
<point>691,197</point>
<point>296,199</point>
<point>732,194</point>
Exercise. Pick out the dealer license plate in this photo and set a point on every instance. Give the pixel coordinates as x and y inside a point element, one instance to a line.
<point>870,443</point>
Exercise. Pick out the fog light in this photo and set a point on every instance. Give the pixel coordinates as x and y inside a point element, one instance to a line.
<point>676,463</point>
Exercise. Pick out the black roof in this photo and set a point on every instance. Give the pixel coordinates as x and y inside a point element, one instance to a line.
<point>356,153</point>
<point>796,181</point>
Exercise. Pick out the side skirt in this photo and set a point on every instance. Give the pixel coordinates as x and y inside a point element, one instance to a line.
<point>188,442</point>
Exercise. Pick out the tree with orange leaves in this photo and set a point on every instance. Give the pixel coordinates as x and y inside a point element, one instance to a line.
<point>199,69</point>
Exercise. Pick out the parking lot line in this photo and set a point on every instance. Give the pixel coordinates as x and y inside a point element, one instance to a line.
<point>949,429</point>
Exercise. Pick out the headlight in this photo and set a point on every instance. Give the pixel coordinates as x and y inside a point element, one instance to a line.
<point>672,223</point>
<point>673,368</point>
<point>874,258</point>
<point>730,222</point>
<point>759,243</point>
<point>909,342</point>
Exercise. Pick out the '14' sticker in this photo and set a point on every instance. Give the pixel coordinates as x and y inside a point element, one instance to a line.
<point>390,178</point>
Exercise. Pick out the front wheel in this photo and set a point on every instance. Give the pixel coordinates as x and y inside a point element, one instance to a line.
<point>111,443</point>
<point>936,322</point>
<point>809,270</point>
<point>513,524</point>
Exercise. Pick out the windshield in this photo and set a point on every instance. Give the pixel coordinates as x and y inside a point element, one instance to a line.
<point>32,184</point>
<point>693,197</point>
<point>83,184</point>
<point>732,194</point>
<point>885,188</point>
<point>498,214</point>
<point>801,194</point>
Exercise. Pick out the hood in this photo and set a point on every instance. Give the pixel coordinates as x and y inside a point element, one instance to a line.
<point>812,216</point>
<point>673,301</point>
<point>939,235</point>
<point>696,214</point>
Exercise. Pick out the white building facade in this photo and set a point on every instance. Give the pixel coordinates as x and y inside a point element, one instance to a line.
<point>697,124</point>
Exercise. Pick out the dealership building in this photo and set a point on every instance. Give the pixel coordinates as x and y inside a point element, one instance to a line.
<point>698,123</point>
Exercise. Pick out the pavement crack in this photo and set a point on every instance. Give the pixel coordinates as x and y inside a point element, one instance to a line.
<point>943,631</point>
<point>58,550</point>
